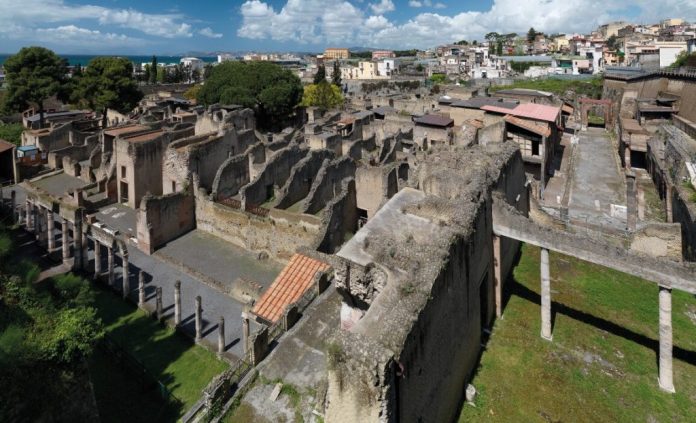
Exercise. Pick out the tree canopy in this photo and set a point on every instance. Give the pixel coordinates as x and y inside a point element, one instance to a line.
<point>108,83</point>
<point>336,75</point>
<point>273,92</point>
<point>323,95</point>
<point>33,75</point>
<point>320,75</point>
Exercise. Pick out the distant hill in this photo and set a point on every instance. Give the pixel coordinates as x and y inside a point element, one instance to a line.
<point>361,49</point>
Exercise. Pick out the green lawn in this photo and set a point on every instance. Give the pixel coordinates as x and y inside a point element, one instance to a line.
<point>590,87</point>
<point>601,365</point>
<point>183,367</point>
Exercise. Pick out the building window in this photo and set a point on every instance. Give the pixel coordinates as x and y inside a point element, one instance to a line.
<point>123,171</point>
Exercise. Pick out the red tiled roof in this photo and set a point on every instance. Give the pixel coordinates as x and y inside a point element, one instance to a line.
<point>5,145</point>
<point>528,110</point>
<point>290,285</point>
<point>539,128</point>
<point>496,109</point>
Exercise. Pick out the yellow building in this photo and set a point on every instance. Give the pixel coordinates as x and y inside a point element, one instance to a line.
<point>336,53</point>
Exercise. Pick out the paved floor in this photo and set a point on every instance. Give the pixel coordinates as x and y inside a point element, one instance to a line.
<point>219,260</point>
<point>163,274</point>
<point>598,182</point>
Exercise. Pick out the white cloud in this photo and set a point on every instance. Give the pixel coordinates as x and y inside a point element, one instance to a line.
<point>339,21</point>
<point>304,21</point>
<point>36,14</point>
<point>382,7</point>
<point>167,26</point>
<point>426,3</point>
<point>208,32</point>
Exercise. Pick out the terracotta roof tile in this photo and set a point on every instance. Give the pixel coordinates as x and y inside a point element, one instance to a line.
<point>288,287</point>
<point>539,128</point>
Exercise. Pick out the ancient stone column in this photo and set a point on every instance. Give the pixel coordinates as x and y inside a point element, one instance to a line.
<point>199,320</point>
<point>668,203</point>
<point>159,302</point>
<point>177,303</point>
<point>28,217</point>
<point>497,276</point>
<point>245,332</point>
<point>627,156</point>
<point>85,251</point>
<point>125,280</point>
<point>51,230</point>
<point>545,295</point>
<point>42,232</point>
<point>666,376</point>
<point>64,241</point>
<point>97,259</point>
<point>141,289</point>
<point>221,335</point>
<point>13,204</point>
<point>77,242</point>
<point>110,252</point>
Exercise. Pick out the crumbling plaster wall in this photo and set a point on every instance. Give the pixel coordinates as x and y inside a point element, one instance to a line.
<point>328,183</point>
<point>279,234</point>
<point>301,178</point>
<point>163,218</point>
<point>340,218</point>
<point>374,186</point>
<point>275,174</point>
<point>232,175</point>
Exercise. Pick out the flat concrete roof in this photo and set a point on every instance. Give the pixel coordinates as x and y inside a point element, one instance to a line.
<point>149,136</point>
<point>125,130</point>
<point>57,185</point>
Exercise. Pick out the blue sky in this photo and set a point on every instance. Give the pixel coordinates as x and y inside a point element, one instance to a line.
<point>178,26</point>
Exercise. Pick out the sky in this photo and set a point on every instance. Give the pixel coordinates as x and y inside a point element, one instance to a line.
<point>180,26</point>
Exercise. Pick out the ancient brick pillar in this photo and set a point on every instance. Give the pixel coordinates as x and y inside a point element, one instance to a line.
<point>245,332</point>
<point>666,376</point>
<point>177,303</point>
<point>668,203</point>
<point>159,302</point>
<point>13,205</point>
<point>50,230</point>
<point>125,279</point>
<point>97,259</point>
<point>199,318</point>
<point>85,251</point>
<point>141,289</point>
<point>110,261</point>
<point>545,295</point>
<point>497,276</point>
<point>64,241</point>
<point>31,222</point>
<point>77,242</point>
<point>41,229</point>
<point>221,335</point>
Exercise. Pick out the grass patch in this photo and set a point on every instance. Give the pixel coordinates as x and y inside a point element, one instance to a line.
<point>590,87</point>
<point>183,367</point>
<point>601,365</point>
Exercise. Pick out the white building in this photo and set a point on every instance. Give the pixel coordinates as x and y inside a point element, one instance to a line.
<point>193,63</point>
<point>387,67</point>
<point>669,50</point>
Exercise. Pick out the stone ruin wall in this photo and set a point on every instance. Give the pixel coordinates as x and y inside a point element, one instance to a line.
<point>164,218</point>
<point>301,179</point>
<point>279,234</point>
<point>327,184</point>
<point>276,172</point>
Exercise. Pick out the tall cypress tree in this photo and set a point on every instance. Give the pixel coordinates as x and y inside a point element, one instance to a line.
<point>153,70</point>
<point>336,77</point>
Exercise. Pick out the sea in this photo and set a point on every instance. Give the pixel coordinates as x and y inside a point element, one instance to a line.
<point>83,59</point>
